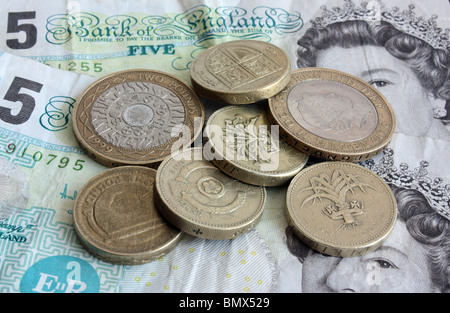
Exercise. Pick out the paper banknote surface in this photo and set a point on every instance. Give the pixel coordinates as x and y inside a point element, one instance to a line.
<point>51,52</point>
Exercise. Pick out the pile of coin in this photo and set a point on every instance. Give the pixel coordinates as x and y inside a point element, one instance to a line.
<point>273,126</point>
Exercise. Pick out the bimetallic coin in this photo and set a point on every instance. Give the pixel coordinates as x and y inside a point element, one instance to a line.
<point>134,117</point>
<point>332,115</point>
<point>240,72</point>
<point>116,220</point>
<point>243,144</point>
<point>198,198</point>
<point>340,208</point>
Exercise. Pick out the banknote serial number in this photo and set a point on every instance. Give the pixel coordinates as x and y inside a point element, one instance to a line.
<point>48,158</point>
<point>74,66</point>
<point>83,66</point>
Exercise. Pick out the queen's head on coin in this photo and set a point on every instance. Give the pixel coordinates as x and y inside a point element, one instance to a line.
<point>406,57</point>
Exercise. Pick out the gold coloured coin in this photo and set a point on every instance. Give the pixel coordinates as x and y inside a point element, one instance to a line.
<point>243,144</point>
<point>340,208</point>
<point>198,198</point>
<point>240,71</point>
<point>116,220</point>
<point>332,115</point>
<point>134,117</point>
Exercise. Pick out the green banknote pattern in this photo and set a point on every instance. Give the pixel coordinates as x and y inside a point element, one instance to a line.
<point>84,38</point>
<point>38,238</point>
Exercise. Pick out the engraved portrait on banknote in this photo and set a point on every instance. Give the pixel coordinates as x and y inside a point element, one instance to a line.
<point>386,46</point>
<point>407,64</point>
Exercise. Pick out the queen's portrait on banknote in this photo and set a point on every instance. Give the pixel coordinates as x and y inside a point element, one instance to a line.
<point>406,57</point>
<point>403,55</point>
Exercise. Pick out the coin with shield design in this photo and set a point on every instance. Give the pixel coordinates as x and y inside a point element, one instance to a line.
<point>240,71</point>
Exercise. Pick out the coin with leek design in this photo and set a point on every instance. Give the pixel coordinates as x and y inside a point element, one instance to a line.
<point>340,208</point>
<point>332,115</point>
<point>198,198</point>
<point>134,117</point>
<point>242,143</point>
<point>116,220</point>
<point>240,71</point>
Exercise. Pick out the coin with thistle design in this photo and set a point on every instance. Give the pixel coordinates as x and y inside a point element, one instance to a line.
<point>340,209</point>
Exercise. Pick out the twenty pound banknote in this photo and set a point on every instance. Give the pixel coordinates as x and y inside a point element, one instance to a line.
<point>52,51</point>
